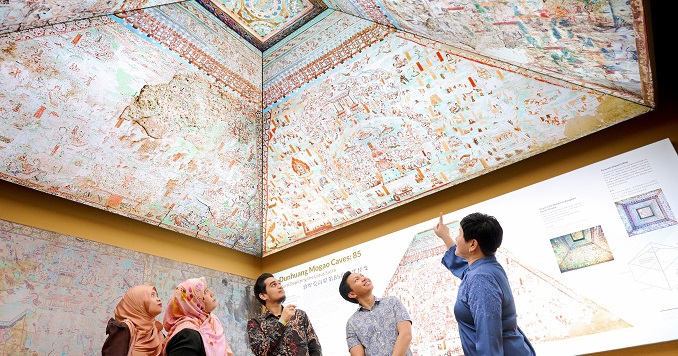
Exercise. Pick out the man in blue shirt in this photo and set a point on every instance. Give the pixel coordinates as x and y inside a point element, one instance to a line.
<point>381,326</point>
<point>485,309</point>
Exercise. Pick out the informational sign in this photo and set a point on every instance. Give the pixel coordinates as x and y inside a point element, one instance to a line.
<point>591,255</point>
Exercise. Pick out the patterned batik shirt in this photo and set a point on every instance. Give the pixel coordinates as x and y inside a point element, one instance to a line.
<point>267,336</point>
<point>376,329</point>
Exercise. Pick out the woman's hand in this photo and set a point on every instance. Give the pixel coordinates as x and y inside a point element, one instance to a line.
<point>443,232</point>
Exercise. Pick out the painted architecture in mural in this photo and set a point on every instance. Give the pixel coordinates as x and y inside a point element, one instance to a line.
<point>406,117</point>
<point>57,292</point>
<point>137,115</point>
<point>260,125</point>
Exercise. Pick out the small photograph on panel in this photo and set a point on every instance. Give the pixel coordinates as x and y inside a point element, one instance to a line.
<point>645,212</point>
<point>581,249</point>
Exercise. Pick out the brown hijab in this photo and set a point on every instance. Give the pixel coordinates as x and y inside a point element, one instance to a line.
<point>135,307</point>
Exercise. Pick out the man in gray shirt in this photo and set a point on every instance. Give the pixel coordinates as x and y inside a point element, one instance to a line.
<point>381,326</point>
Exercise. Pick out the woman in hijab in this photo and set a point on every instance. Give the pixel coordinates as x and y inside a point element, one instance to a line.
<point>192,328</point>
<point>134,330</point>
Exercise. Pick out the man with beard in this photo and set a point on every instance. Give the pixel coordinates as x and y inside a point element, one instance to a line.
<point>380,326</point>
<point>280,330</point>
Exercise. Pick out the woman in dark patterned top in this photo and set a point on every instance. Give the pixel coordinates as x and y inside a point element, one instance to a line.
<point>280,330</point>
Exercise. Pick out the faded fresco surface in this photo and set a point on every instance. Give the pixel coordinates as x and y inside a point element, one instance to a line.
<point>16,15</point>
<point>57,292</point>
<point>164,114</point>
<point>403,118</point>
<point>599,44</point>
<point>264,23</point>
<point>137,116</point>
<point>565,314</point>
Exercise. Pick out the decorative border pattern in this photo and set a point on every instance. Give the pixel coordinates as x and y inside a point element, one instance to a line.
<point>318,7</point>
<point>325,63</point>
<point>158,31</point>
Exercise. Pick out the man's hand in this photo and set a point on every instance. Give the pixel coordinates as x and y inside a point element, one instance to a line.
<point>288,312</point>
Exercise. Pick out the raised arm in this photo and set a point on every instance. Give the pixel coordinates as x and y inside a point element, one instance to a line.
<point>443,232</point>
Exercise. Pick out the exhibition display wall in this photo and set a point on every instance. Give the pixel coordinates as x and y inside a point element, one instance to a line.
<point>57,291</point>
<point>592,258</point>
<point>154,115</point>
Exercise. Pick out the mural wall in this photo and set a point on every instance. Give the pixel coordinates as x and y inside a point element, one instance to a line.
<point>398,117</point>
<point>155,115</point>
<point>18,15</point>
<point>57,292</point>
<point>598,44</point>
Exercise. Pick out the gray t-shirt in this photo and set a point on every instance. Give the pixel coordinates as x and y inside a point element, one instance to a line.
<point>376,329</point>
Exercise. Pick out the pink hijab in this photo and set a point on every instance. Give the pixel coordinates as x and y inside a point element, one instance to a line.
<point>186,310</point>
<point>135,306</point>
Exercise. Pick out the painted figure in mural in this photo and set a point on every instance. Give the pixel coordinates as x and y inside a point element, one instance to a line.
<point>134,330</point>
<point>380,326</point>
<point>191,327</point>
<point>485,309</point>
<point>280,330</point>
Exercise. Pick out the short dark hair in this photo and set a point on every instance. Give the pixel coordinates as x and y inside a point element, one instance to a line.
<point>485,229</point>
<point>260,286</point>
<point>344,288</point>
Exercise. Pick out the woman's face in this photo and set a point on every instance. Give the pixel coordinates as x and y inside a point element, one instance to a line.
<point>155,304</point>
<point>462,246</point>
<point>210,300</point>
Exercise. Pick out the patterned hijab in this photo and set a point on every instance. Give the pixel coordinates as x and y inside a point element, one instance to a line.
<point>135,306</point>
<point>186,310</point>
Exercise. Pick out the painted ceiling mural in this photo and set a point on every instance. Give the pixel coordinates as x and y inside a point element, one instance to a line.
<point>258,125</point>
<point>17,15</point>
<point>57,292</point>
<point>403,118</point>
<point>264,23</point>
<point>599,44</point>
<point>155,116</point>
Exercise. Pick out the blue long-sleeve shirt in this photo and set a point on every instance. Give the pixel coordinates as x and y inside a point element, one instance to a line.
<point>485,309</point>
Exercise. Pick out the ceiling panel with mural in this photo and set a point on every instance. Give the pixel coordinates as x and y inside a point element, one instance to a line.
<point>598,44</point>
<point>18,15</point>
<point>264,23</point>
<point>260,125</point>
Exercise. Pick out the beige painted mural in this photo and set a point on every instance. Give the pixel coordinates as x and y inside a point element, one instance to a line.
<point>19,15</point>
<point>404,118</point>
<point>168,113</point>
<point>601,45</point>
<point>134,115</point>
<point>57,292</point>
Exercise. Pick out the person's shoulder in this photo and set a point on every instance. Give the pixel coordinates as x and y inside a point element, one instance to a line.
<point>356,315</point>
<point>113,324</point>
<point>189,334</point>
<point>259,319</point>
<point>185,337</point>
<point>118,339</point>
<point>391,299</point>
